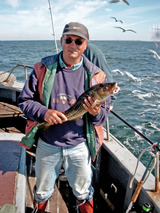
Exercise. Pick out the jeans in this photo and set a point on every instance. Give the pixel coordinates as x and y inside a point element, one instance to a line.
<point>77,165</point>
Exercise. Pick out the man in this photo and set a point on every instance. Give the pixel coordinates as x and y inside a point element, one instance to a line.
<point>53,86</point>
<point>95,55</point>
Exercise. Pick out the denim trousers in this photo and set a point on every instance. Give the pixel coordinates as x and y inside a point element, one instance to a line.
<point>77,165</point>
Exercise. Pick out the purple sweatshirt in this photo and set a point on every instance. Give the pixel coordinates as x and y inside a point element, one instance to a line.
<point>68,86</point>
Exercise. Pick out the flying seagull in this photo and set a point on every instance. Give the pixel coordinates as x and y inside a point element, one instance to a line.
<point>116,20</point>
<point>155,54</point>
<point>116,1</point>
<point>124,30</point>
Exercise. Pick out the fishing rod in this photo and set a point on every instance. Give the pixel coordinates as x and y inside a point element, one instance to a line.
<point>143,179</point>
<point>139,133</point>
<point>53,26</point>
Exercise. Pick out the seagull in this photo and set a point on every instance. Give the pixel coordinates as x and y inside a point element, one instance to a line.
<point>116,20</point>
<point>155,54</point>
<point>124,30</point>
<point>116,1</point>
<point>117,70</point>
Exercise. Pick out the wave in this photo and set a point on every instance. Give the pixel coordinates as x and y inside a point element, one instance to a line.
<point>154,105</point>
<point>144,111</point>
<point>147,129</point>
<point>153,125</point>
<point>142,96</point>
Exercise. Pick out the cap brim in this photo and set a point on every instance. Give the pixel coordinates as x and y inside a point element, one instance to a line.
<point>75,33</point>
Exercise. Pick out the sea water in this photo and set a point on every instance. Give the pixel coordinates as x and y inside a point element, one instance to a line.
<point>133,67</point>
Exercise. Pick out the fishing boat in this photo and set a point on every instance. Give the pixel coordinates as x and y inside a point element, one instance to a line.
<point>121,182</point>
<point>118,188</point>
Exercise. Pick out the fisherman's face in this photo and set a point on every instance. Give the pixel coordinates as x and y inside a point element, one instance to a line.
<point>73,47</point>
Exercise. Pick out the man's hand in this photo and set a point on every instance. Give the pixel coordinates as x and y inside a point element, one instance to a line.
<point>91,107</point>
<point>54,117</point>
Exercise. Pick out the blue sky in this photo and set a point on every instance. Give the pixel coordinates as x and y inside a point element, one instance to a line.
<point>30,19</point>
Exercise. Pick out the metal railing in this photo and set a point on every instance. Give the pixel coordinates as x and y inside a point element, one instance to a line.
<point>143,136</point>
<point>11,70</point>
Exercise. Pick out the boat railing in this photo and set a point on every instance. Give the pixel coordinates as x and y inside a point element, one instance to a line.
<point>10,71</point>
<point>144,137</point>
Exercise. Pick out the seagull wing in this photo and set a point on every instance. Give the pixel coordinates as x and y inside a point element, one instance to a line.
<point>154,52</point>
<point>126,2</point>
<point>120,21</point>
<point>114,18</point>
<point>131,30</point>
<point>114,1</point>
<point>121,28</point>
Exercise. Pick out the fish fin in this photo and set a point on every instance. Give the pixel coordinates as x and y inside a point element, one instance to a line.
<point>95,103</point>
<point>40,125</point>
<point>43,126</point>
<point>75,118</point>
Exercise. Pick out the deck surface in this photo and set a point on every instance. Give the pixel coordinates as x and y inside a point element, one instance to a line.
<point>57,202</point>
<point>11,118</point>
<point>12,122</point>
<point>9,162</point>
<point>9,110</point>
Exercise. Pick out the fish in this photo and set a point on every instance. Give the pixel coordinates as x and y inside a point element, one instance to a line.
<point>98,93</point>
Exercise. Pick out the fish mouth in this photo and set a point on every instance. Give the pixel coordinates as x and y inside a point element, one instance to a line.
<point>115,89</point>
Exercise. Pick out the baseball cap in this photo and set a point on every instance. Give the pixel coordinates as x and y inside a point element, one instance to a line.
<point>75,28</point>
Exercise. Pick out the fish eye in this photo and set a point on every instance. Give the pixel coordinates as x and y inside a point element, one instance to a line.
<point>105,88</point>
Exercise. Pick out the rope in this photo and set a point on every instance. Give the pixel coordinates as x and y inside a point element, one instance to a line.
<point>150,149</point>
<point>11,70</point>
<point>78,205</point>
<point>151,169</point>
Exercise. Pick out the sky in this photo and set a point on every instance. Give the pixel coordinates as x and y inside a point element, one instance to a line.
<point>31,19</point>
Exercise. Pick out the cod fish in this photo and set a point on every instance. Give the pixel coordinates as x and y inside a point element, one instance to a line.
<point>98,93</point>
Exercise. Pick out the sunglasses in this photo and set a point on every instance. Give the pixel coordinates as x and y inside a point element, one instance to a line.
<point>77,41</point>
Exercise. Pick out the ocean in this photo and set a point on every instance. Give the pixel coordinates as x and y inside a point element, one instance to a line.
<point>133,67</point>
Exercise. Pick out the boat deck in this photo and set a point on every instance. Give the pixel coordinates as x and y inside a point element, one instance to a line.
<point>12,128</point>
<point>12,120</point>
<point>17,173</point>
<point>62,199</point>
<point>12,172</point>
<point>9,162</point>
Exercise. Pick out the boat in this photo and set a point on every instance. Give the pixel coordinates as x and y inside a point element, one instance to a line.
<point>114,168</point>
<point>119,186</point>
